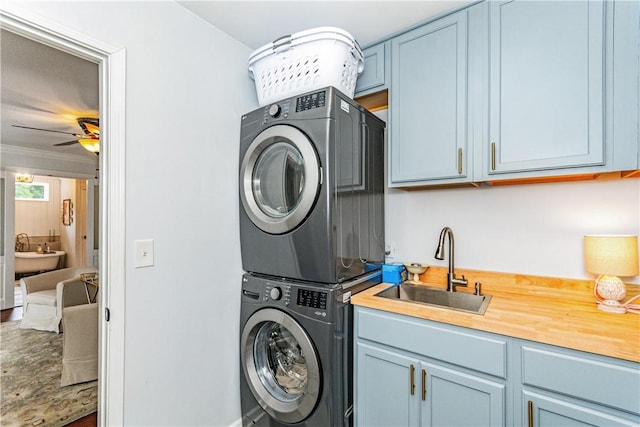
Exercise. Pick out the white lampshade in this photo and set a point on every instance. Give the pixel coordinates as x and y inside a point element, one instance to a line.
<point>611,255</point>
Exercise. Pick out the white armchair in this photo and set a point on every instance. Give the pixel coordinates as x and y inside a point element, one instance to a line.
<point>45,295</point>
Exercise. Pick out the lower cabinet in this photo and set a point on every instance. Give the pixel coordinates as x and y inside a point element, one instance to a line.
<point>555,410</point>
<point>564,387</point>
<point>410,372</point>
<point>385,384</point>
<point>445,389</point>
<point>395,389</point>
<point>415,372</point>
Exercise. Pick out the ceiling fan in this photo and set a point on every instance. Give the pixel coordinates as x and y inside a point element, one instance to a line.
<point>90,140</point>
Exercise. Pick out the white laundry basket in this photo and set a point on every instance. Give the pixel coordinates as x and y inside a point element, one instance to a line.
<point>304,61</point>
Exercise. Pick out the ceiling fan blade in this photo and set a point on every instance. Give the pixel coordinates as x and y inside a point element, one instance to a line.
<point>46,130</point>
<point>66,143</point>
<point>89,125</point>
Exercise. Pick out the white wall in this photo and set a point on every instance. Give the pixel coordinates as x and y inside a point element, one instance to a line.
<point>40,218</point>
<point>530,229</point>
<point>187,86</point>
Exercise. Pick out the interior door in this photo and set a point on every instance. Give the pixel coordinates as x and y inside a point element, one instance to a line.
<point>281,366</point>
<point>279,179</point>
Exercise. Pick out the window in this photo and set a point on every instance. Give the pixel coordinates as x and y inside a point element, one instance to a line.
<point>34,191</point>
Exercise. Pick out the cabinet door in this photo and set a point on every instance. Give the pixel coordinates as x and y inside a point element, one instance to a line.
<point>453,398</point>
<point>386,388</point>
<point>546,85</point>
<point>429,103</point>
<point>546,411</point>
<point>375,67</point>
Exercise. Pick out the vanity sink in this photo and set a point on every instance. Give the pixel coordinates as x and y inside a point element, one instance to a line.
<point>421,294</point>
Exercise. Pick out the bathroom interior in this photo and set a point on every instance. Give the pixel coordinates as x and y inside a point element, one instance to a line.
<point>51,228</point>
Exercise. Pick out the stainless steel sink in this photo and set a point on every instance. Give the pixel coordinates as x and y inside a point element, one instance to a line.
<point>421,294</point>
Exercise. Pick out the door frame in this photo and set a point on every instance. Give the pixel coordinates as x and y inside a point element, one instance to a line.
<point>7,264</point>
<point>112,73</point>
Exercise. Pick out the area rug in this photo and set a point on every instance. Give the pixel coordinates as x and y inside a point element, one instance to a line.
<point>30,392</point>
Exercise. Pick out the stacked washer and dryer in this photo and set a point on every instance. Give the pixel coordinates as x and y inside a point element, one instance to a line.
<point>312,234</point>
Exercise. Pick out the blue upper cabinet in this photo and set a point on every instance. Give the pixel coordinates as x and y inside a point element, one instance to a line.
<point>512,89</point>
<point>428,104</point>
<point>547,78</point>
<point>376,70</point>
<point>552,92</point>
<point>624,117</point>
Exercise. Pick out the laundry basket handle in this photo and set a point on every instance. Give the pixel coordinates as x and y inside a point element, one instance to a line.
<point>281,44</point>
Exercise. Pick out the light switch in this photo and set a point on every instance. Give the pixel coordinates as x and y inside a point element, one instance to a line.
<point>144,253</point>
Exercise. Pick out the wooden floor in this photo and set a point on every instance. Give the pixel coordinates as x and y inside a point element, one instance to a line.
<point>15,313</point>
<point>90,420</point>
<point>11,314</point>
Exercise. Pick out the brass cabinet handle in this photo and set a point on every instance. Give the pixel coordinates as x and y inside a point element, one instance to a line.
<point>530,413</point>
<point>493,156</point>
<point>424,385</point>
<point>459,161</point>
<point>412,386</point>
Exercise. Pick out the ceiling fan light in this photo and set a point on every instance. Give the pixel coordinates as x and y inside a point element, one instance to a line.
<point>90,144</point>
<point>92,129</point>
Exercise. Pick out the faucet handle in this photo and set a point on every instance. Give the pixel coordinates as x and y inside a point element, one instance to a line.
<point>477,290</point>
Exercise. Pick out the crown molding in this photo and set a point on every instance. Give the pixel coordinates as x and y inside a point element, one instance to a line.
<point>42,162</point>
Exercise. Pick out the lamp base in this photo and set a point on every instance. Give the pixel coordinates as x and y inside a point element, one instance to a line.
<point>611,306</point>
<point>609,290</point>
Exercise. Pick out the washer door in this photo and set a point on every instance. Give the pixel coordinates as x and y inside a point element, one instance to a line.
<point>279,179</point>
<point>281,366</point>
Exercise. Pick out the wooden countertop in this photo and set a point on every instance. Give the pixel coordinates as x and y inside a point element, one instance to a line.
<point>553,311</point>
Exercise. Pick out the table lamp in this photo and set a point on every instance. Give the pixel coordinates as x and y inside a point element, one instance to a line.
<point>610,257</point>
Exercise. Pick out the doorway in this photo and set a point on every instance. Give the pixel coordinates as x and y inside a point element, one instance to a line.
<point>111,62</point>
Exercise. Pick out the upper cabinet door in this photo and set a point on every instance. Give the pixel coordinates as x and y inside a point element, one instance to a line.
<point>375,74</point>
<point>547,81</point>
<point>429,104</point>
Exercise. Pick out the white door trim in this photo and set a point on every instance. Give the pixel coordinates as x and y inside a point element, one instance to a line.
<point>111,61</point>
<point>7,265</point>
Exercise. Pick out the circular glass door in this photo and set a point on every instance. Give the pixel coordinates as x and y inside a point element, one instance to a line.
<point>280,365</point>
<point>279,179</point>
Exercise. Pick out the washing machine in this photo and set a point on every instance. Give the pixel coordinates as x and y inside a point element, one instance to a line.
<point>312,188</point>
<point>296,351</point>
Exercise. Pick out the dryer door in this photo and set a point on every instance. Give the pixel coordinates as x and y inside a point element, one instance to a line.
<point>279,179</point>
<point>281,366</point>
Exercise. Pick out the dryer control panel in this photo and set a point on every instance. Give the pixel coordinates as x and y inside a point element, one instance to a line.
<point>311,100</point>
<point>277,292</point>
<point>276,111</point>
<point>313,299</point>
